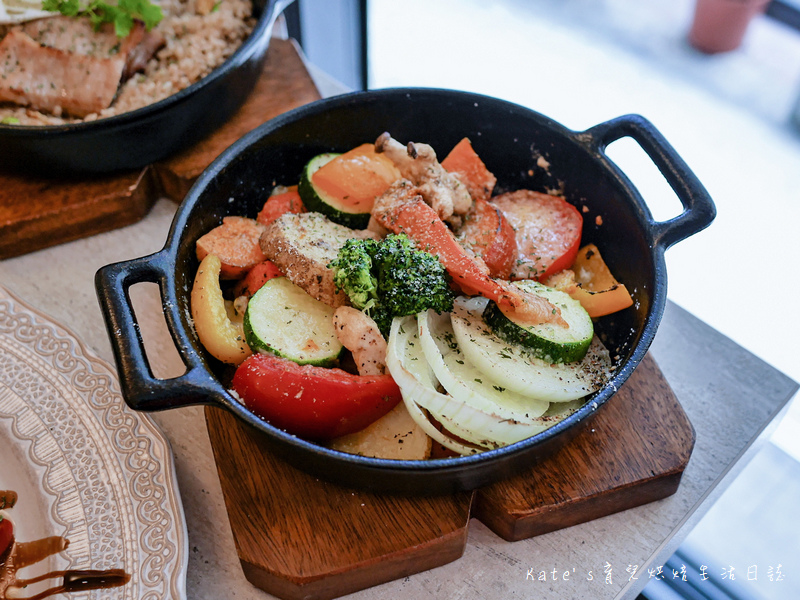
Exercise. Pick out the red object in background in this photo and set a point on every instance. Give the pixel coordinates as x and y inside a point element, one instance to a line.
<point>6,535</point>
<point>313,402</point>
<point>720,25</point>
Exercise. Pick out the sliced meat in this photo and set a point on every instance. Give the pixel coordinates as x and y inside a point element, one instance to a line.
<point>302,245</point>
<point>53,80</point>
<point>548,231</point>
<point>61,65</point>
<point>488,234</point>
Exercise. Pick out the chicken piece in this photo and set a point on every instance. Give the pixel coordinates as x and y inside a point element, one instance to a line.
<point>62,64</point>
<point>443,191</point>
<point>360,334</point>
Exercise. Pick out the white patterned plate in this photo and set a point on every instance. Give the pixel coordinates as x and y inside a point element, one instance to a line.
<point>85,466</point>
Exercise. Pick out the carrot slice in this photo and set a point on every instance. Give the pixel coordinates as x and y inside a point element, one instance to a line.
<point>465,162</point>
<point>236,244</point>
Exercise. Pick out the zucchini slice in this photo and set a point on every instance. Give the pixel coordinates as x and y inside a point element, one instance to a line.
<point>547,341</point>
<point>315,200</point>
<point>283,320</point>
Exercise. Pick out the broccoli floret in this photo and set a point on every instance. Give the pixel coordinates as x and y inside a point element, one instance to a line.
<point>353,273</point>
<point>391,278</point>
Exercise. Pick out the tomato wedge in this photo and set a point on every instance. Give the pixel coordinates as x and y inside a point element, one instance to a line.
<point>285,202</point>
<point>313,402</point>
<point>489,235</point>
<point>255,278</point>
<point>548,232</point>
<point>465,162</point>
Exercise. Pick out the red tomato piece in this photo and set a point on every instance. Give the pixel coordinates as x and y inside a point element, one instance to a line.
<point>256,277</point>
<point>6,535</point>
<point>548,232</point>
<point>313,402</point>
<point>465,162</point>
<point>489,235</point>
<point>279,204</point>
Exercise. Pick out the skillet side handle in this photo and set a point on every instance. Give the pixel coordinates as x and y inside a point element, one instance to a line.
<point>141,390</point>
<point>698,207</point>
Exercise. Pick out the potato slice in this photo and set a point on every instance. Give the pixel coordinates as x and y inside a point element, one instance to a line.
<point>394,436</point>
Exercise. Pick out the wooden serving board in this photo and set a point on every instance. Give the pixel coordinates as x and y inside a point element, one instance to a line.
<point>36,214</point>
<point>299,537</point>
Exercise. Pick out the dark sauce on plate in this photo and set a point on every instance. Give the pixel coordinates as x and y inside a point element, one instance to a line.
<point>17,555</point>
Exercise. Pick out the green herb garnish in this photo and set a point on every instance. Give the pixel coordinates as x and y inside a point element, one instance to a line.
<point>9,121</point>
<point>122,14</point>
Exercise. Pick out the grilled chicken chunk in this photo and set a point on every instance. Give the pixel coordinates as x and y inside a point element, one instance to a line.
<point>62,64</point>
<point>417,162</point>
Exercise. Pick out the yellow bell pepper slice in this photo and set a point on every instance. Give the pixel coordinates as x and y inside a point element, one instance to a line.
<point>219,334</point>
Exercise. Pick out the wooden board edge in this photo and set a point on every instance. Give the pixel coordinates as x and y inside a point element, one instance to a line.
<point>522,522</point>
<point>48,230</point>
<point>516,528</point>
<point>357,576</point>
<point>328,586</point>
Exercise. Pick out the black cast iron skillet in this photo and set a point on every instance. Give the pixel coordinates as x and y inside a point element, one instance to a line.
<point>508,138</point>
<point>140,137</point>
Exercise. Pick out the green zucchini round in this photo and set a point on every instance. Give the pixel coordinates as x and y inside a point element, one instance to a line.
<point>547,341</point>
<point>315,200</point>
<point>283,320</point>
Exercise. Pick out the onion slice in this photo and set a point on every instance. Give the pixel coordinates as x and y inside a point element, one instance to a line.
<point>459,376</point>
<point>516,369</point>
<point>419,386</point>
<point>419,383</point>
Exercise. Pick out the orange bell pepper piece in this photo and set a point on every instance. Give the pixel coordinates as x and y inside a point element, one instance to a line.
<point>591,283</point>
